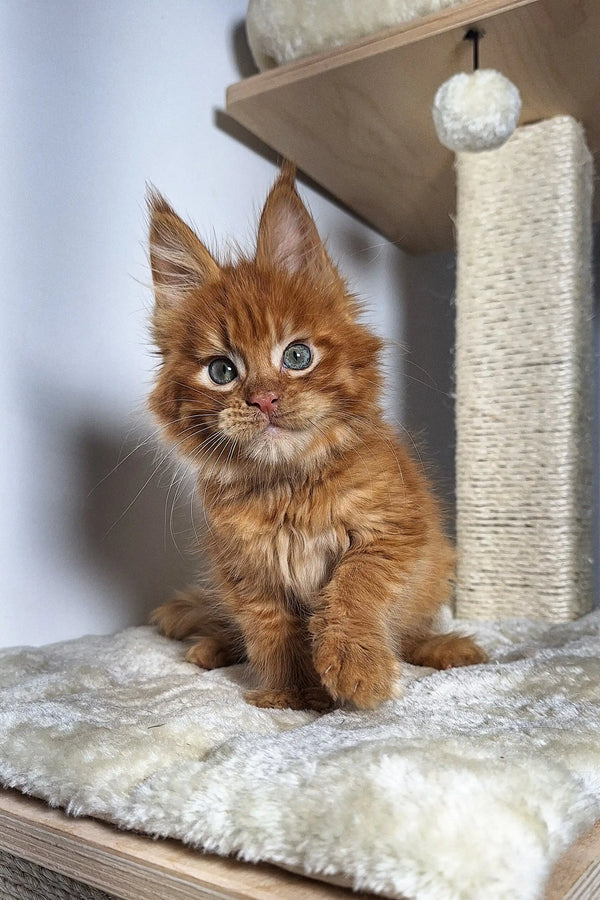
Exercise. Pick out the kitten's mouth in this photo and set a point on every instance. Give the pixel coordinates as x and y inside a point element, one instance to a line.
<point>278,432</point>
<point>290,427</point>
<point>277,443</point>
<point>273,429</point>
<point>278,428</point>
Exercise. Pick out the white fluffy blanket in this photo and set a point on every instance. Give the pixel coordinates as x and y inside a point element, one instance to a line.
<point>471,786</point>
<point>281,30</point>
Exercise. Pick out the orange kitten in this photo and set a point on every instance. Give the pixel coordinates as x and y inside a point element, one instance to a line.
<point>328,562</point>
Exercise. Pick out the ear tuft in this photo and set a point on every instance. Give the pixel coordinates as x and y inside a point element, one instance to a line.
<point>180,262</point>
<point>287,235</point>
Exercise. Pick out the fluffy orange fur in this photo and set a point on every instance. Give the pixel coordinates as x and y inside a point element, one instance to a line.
<point>328,560</point>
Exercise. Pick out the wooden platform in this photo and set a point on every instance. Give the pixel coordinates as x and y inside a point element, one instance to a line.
<point>135,867</point>
<point>358,118</point>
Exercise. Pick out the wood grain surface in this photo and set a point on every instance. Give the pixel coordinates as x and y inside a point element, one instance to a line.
<point>136,867</point>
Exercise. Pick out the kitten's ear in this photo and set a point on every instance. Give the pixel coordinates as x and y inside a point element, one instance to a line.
<point>287,236</point>
<point>179,259</point>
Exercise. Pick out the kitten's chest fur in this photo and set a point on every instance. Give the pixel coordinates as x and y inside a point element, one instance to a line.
<point>286,539</point>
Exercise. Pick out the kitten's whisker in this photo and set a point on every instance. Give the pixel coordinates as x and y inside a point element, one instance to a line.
<point>389,443</point>
<point>325,435</point>
<point>200,412</point>
<point>225,466</point>
<point>430,387</point>
<point>195,429</point>
<point>165,457</point>
<point>193,522</point>
<point>222,442</point>
<point>138,446</point>
<point>154,435</point>
<point>180,481</point>
<point>139,493</point>
<point>192,498</point>
<point>118,465</point>
<point>380,434</point>
<point>213,396</point>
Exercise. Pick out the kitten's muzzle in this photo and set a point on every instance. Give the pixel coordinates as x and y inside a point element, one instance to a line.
<point>266,402</point>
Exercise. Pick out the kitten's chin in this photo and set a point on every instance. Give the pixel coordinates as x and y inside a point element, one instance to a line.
<point>300,449</point>
<point>276,445</point>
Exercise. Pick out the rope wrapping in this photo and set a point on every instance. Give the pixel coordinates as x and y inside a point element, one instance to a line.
<point>24,880</point>
<point>523,376</point>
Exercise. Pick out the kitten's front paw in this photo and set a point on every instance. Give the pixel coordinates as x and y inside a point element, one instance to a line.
<point>281,698</point>
<point>356,669</point>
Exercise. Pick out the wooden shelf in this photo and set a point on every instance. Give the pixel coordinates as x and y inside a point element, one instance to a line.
<point>358,119</point>
<point>136,867</point>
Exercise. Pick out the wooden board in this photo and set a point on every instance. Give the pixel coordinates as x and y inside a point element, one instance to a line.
<point>135,867</point>
<point>358,119</point>
<point>576,876</point>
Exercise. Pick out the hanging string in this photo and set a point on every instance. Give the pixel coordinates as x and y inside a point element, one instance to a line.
<point>475,35</point>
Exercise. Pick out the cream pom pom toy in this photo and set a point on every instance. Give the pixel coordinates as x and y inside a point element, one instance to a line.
<point>476,111</point>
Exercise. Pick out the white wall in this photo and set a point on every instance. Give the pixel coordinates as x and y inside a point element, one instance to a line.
<point>97,99</point>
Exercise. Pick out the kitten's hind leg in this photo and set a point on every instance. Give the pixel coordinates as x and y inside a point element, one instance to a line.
<point>213,653</point>
<point>443,651</point>
<point>197,616</point>
<point>182,616</point>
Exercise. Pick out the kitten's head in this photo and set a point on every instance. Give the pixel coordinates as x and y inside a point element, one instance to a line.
<point>264,365</point>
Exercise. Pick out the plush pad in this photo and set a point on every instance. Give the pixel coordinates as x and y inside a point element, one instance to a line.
<point>282,30</point>
<point>471,785</point>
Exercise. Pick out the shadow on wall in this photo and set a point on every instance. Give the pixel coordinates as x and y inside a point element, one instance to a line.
<point>246,67</point>
<point>137,526</point>
<point>244,60</point>
<point>428,366</point>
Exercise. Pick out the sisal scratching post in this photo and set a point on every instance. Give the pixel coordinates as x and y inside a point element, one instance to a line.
<point>523,362</point>
<point>24,880</point>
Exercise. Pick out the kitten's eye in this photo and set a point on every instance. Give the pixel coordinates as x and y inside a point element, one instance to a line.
<point>297,356</point>
<point>222,370</point>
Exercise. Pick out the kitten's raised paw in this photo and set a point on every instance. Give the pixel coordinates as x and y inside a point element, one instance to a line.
<point>445,651</point>
<point>358,671</point>
<point>281,698</point>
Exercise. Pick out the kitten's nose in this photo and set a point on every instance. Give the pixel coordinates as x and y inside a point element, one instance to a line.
<point>265,402</point>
